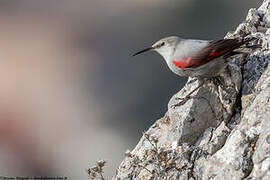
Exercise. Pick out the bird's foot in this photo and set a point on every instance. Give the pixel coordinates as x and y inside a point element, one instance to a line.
<point>182,101</point>
<point>188,96</point>
<point>192,81</point>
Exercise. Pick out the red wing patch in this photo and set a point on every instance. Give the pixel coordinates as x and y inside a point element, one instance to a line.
<point>185,62</point>
<point>188,62</point>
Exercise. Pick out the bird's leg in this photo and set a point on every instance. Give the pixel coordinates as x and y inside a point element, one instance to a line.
<point>188,96</point>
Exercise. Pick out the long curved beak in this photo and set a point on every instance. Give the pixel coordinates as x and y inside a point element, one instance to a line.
<point>142,51</point>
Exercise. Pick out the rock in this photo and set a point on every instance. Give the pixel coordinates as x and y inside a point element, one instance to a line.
<point>220,133</point>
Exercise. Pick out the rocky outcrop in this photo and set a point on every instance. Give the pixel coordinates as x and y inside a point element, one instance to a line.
<point>223,132</point>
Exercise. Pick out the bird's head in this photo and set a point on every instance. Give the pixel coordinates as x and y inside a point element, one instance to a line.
<point>165,47</point>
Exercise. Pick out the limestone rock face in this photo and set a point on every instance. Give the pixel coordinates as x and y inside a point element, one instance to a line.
<point>223,132</point>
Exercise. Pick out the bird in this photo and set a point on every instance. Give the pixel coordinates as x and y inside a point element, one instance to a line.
<point>201,59</point>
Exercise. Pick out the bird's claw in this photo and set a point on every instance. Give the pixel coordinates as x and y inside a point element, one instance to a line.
<point>188,96</point>
<point>192,81</point>
<point>179,98</point>
<point>182,101</point>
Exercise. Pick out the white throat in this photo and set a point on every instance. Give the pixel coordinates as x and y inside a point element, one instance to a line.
<point>165,52</point>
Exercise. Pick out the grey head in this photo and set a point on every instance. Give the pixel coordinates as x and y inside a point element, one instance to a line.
<point>165,47</point>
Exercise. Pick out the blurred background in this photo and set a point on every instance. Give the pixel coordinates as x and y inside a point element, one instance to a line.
<point>71,93</point>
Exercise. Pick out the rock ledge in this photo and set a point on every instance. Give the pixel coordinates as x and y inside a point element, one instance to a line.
<point>221,133</point>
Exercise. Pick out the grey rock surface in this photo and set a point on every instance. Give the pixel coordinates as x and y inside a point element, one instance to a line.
<point>223,131</point>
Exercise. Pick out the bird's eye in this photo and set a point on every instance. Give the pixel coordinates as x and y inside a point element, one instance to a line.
<point>162,44</point>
